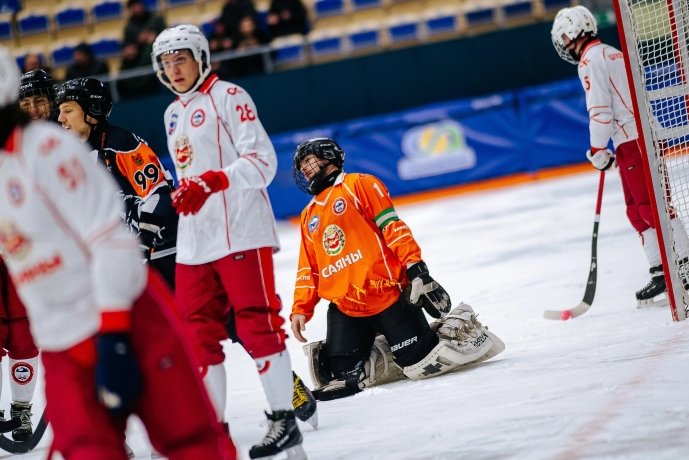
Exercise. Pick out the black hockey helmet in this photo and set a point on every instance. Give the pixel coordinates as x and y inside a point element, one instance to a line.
<point>320,147</point>
<point>91,95</point>
<point>37,83</point>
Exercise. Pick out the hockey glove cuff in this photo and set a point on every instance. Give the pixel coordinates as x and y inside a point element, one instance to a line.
<point>425,292</point>
<point>193,192</point>
<point>118,377</point>
<point>602,159</point>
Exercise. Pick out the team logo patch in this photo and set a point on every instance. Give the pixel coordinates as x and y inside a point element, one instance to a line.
<point>13,242</point>
<point>22,372</point>
<point>313,223</point>
<point>339,206</point>
<point>183,152</point>
<point>15,191</point>
<point>197,118</point>
<point>173,124</point>
<point>333,240</point>
<point>138,159</point>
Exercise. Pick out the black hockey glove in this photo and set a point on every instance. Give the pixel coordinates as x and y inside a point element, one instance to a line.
<point>118,378</point>
<point>424,292</point>
<point>155,231</point>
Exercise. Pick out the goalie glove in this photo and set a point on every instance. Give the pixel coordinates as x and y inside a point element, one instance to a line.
<point>193,192</point>
<point>602,159</point>
<point>424,292</point>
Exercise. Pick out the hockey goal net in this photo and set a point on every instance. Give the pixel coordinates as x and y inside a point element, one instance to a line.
<point>653,35</point>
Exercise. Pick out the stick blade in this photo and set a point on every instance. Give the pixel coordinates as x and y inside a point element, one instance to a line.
<point>564,315</point>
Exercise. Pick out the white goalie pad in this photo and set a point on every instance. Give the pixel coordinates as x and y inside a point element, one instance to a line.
<point>312,351</point>
<point>446,357</point>
<point>379,368</point>
<point>461,325</point>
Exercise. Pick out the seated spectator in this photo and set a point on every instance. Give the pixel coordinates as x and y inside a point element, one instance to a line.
<point>247,37</point>
<point>287,17</point>
<point>232,13</point>
<point>140,32</point>
<point>219,41</point>
<point>141,24</point>
<point>34,61</point>
<point>85,63</point>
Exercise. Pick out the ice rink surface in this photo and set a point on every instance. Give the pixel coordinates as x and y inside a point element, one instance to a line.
<point>611,384</point>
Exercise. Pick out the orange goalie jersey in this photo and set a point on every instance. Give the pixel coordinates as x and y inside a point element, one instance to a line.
<point>354,249</point>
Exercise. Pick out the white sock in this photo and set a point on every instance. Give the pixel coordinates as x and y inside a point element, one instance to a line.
<point>649,239</point>
<point>679,235</point>
<point>216,385</point>
<point>275,372</point>
<point>23,379</point>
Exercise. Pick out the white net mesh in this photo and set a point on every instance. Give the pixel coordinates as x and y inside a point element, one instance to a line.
<point>656,33</point>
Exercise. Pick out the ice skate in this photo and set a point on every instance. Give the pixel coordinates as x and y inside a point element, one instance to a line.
<point>130,452</point>
<point>654,294</point>
<point>22,410</point>
<point>305,405</point>
<point>283,440</point>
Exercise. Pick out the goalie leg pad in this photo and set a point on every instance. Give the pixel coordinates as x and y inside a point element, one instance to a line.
<point>380,367</point>
<point>461,325</point>
<point>317,362</point>
<point>445,357</point>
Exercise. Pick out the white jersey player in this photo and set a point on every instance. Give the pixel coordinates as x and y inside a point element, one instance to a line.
<point>95,312</point>
<point>611,117</point>
<point>226,232</point>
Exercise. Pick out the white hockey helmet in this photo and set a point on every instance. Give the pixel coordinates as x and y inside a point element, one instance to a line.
<point>573,23</point>
<point>9,78</point>
<point>178,38</point>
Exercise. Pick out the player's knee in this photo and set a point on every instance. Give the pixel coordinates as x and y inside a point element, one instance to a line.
<point>259,329</point>
<point>417,348</point>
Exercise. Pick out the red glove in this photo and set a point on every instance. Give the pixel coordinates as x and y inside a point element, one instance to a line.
<point>193,192</point>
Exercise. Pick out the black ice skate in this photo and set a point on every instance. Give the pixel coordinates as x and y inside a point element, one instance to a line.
<point>654,293</point>
<point>22,410</point>
<point>305,406</point>
<point>283,439</point>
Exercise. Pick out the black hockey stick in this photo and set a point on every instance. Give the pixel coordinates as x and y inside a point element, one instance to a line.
<point>593,271</point>
<point>22,447</point>
<point>9,425</point>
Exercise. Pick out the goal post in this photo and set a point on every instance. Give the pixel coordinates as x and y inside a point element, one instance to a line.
<point>653,37</point>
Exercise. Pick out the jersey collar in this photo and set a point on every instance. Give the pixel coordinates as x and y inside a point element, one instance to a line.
<point>206,86</point>
<point>588,46</point>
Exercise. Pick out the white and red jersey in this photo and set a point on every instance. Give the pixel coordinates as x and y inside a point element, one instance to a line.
<point>62,236</point>
<point>608,101</point>
<point>217,128</point>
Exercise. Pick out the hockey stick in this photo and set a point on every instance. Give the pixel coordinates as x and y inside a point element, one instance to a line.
<point>22,447</point>
<point>9,425</point>
<point>593,271</point>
